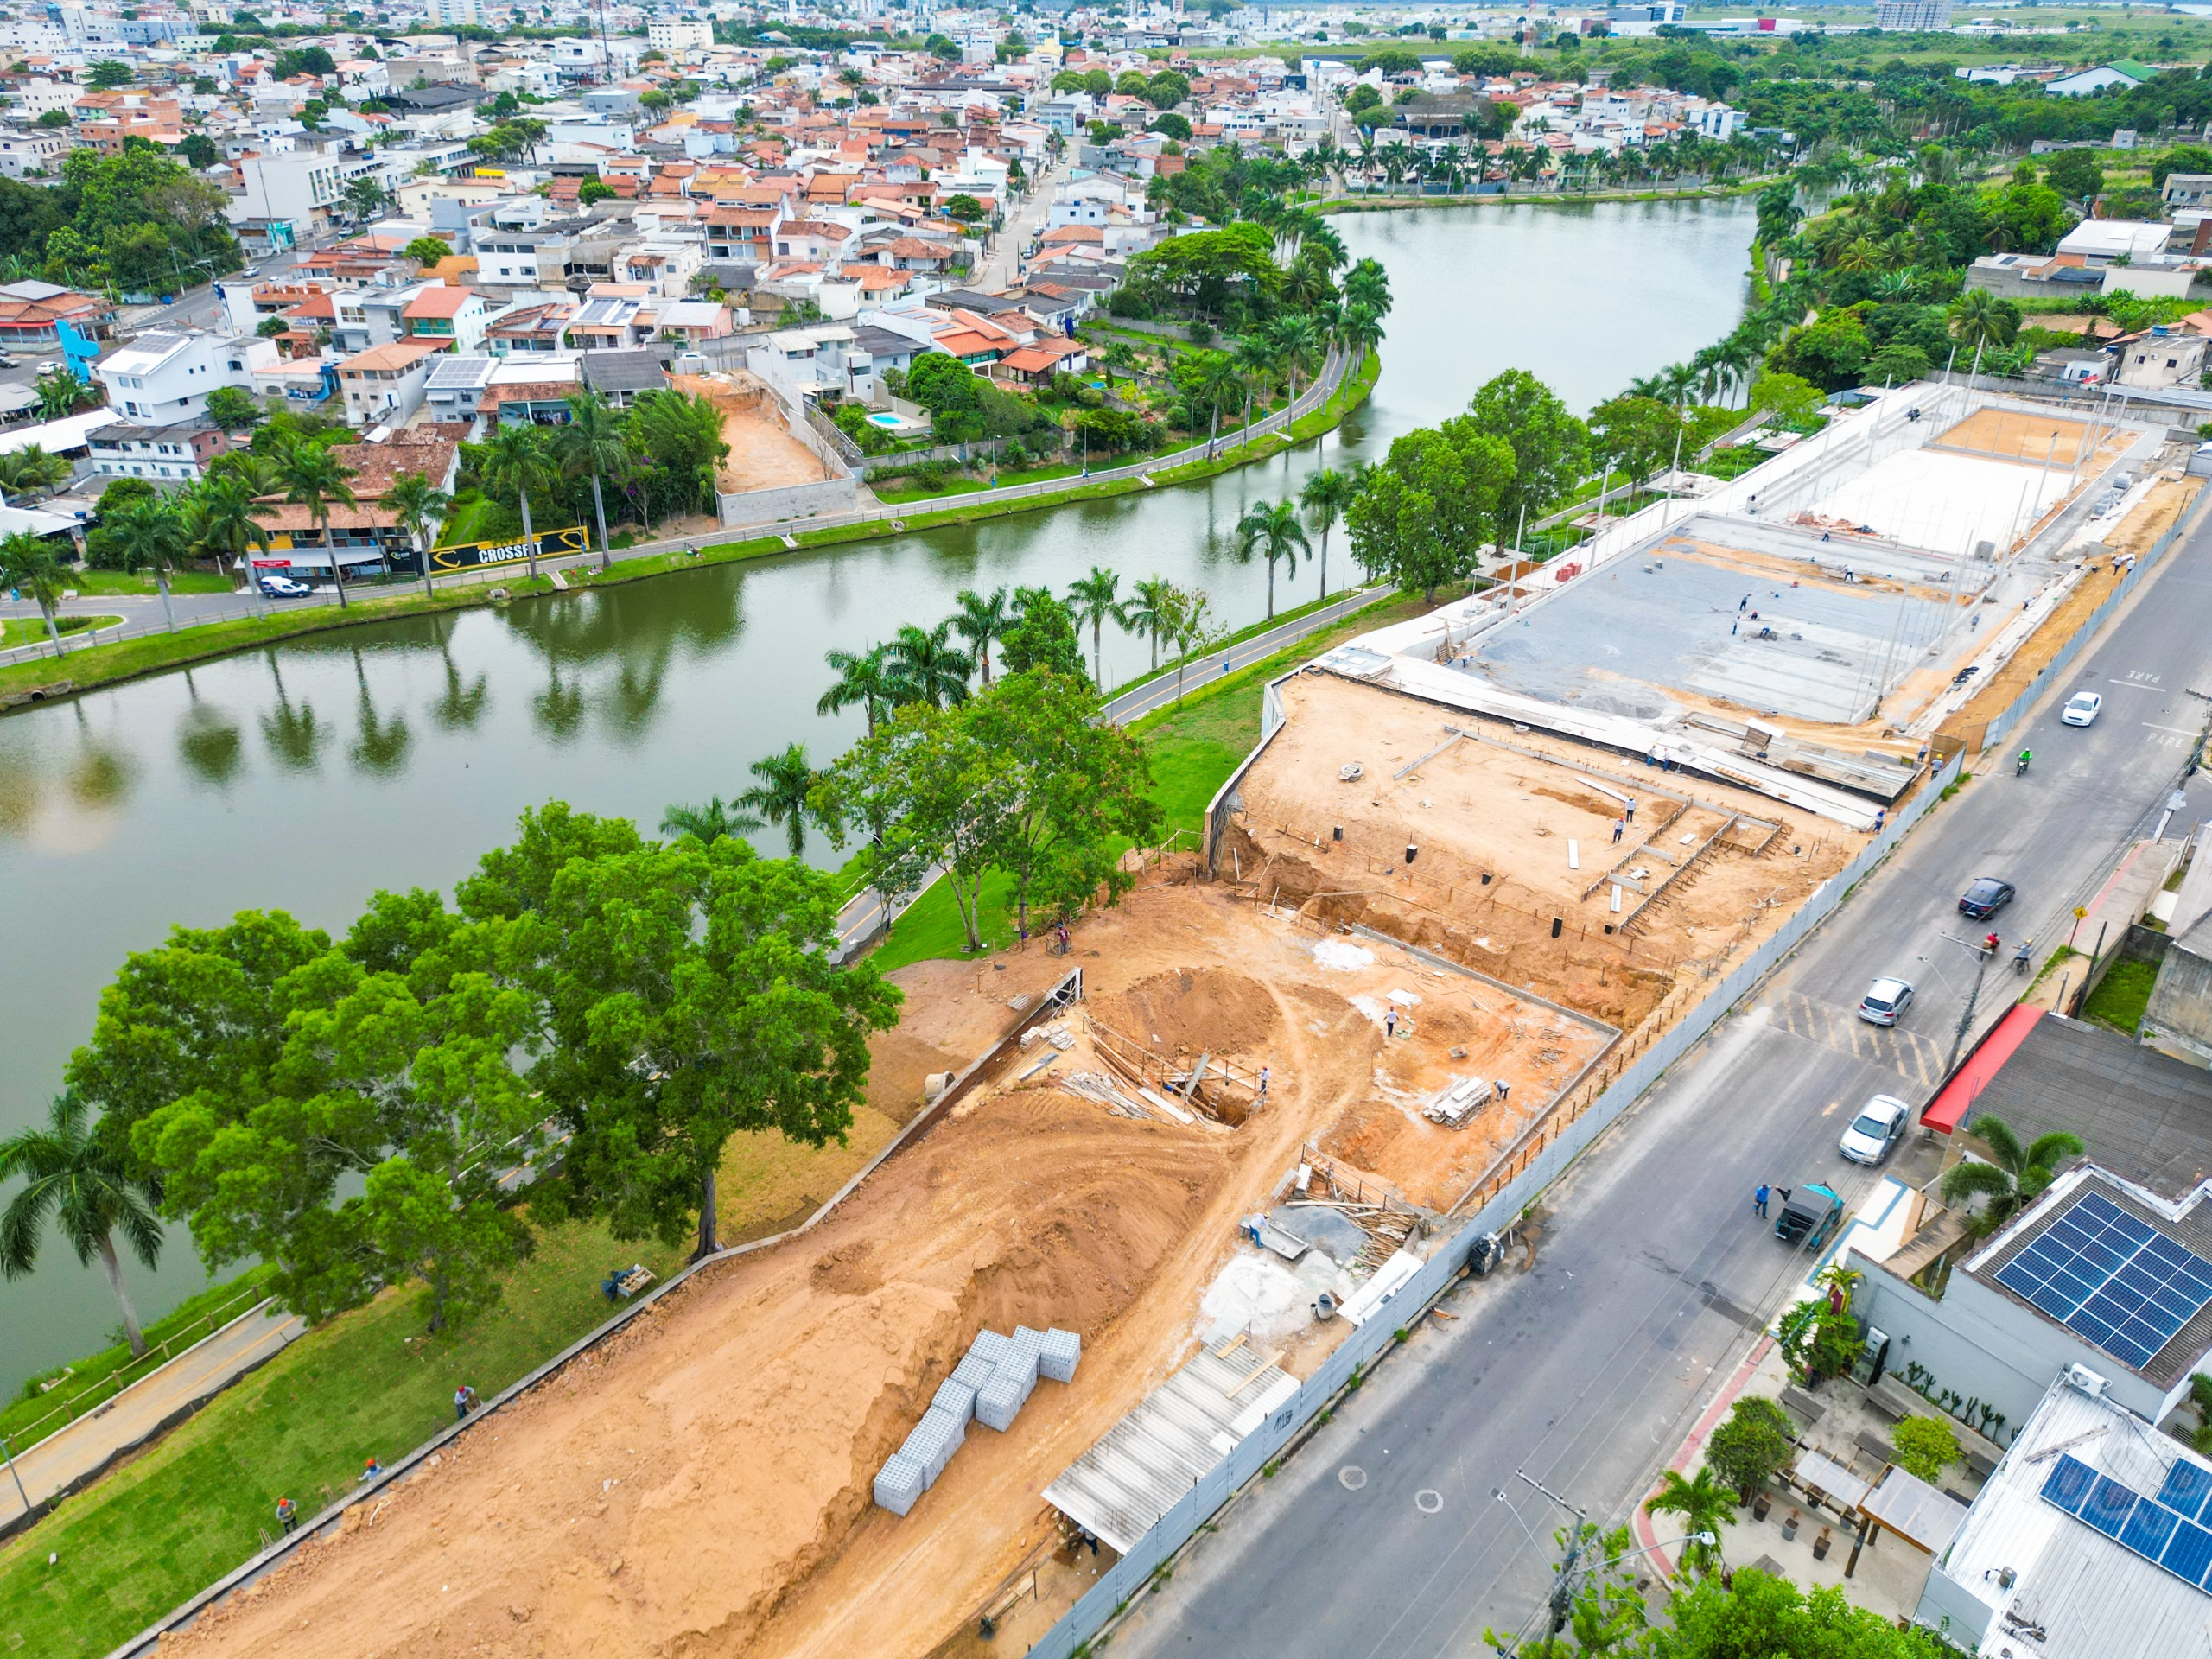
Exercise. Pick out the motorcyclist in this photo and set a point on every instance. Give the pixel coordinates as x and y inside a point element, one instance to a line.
<point>1991,943</point>
<point>2026,755</point>
<point>2020,957</point>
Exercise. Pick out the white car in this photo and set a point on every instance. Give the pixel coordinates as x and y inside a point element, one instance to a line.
<point>2081,709</point>
<point>1875,1130</point>
<point>285,588</point>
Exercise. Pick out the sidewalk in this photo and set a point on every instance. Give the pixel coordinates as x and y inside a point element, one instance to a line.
<point>67,1457</point>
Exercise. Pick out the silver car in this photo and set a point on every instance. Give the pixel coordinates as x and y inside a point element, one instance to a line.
<point>1885,999</point>
<point>1875,1130</point>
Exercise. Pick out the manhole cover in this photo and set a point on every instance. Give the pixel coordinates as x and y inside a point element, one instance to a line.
<point>1351,1476</point>
<point>1429,1500</point>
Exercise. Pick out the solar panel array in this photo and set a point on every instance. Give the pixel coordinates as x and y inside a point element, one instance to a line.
<point>2116,1280</point>
<point>2172,1531</point>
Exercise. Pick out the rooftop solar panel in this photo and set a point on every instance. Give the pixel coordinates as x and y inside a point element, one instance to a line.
<point>2118,1281</point>
<point>2186,1489</point>
<point>2160,1529</point>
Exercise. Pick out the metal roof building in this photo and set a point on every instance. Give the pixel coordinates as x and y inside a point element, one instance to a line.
<point>2089,1541</point>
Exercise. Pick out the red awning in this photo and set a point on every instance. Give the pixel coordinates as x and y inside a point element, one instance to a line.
<point>1956,1100</point>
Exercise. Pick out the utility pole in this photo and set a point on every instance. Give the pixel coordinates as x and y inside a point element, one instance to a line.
<point>1982,954</point>
<point>1560,1602</point>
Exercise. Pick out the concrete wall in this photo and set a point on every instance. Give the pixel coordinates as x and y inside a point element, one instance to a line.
<point>2178,1023</point>
<point>1984,1346</point>
<point>792,501</point>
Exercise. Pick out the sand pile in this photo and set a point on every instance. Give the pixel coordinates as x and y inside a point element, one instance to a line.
<point>1196,1011</point>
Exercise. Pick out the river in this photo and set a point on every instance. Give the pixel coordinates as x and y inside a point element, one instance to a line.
<point>305,778</point>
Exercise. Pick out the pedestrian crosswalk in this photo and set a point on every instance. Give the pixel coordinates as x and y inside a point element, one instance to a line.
<point>1914,1057</point>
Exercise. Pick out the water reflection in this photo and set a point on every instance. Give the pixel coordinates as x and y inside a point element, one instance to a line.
<point>463,703</point>
<point>559,707</point>
<point>294,737</point>
<point>381,746</point>
<point>209,742</point>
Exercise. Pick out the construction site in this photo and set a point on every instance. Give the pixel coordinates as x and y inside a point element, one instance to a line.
<point>776,468</point>
<point>1143,1188</point>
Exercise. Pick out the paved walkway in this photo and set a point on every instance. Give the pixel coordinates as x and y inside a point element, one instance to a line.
<point>140,1412</point>
<point>1011,245</point>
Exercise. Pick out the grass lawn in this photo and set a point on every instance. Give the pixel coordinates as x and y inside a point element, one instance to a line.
<point>31,630</point>
<point>118,581</point>
<point>2121,996</point>
<point>156,1531</point>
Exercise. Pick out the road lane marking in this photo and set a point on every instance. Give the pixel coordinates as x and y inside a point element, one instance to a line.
<point>2178,731</point>
<point>1351,1476</point>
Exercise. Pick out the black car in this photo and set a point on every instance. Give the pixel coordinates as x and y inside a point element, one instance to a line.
<point>1985,897</point>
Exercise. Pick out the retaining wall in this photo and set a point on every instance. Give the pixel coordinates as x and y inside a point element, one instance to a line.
<point>792,501</point>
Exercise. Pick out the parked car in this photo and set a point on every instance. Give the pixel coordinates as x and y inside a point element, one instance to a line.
<point>1809,1214</point>
<point>1875,1130</point>
<point>285,587</point>
<point>2081,709</point>
<point>1885,1001</point>
<point>1985,897</point>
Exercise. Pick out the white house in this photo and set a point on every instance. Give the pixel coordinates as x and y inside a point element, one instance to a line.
<point>162,378</point>
<point>2100,241</point>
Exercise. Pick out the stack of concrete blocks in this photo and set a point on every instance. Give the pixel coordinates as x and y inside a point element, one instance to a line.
<point>989,1385</point>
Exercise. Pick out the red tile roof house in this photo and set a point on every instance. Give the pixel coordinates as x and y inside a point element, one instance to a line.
<point>454,316</point>
<point>1034,364</point>
<point>30,314</point>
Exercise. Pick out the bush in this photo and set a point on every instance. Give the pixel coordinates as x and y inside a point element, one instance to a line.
<point>1925,1446</point>
<point>1127,302</point>
<point>1756,1441</point>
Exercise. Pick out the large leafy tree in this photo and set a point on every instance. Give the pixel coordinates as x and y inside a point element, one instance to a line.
<point>1639,434</point>
<point>1550,446</point>
<point>1044,637</point>
<point>681,993</point>
<point>1420,514</point>
<point>2015,1175</point>
<point>78,1179</point>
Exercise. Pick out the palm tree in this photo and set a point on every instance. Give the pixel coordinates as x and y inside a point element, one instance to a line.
<point>59,391</point>
<point>1360,331</point>
<point>1706,1505</point>
<point>1151,613</point>
<point>923,665</point>
<point>33,468</point>
<point>786,781</point>
<point>1298,346</point>
<point>315,479</point>
<point>1256,357</point>
<point>864,680</point>
<point>1092,600</point>
<point>71,1175</point>
<point>592,442</point>
<point>421,505</point>
<point>982,623</point>
<point>32,565</point>
<point>149,535</point>
<point>220,520</point>
<point>2015,1175</point>
<point>1272,529</point>
<point>709,823</point>
<point>1325,497</point>
<point>515,463</point>
<point>1214,379</point>
<point>1979,319</point>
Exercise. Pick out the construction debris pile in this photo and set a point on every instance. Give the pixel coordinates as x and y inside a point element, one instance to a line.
<point>989,1385</point>
<point>1457,1102</point>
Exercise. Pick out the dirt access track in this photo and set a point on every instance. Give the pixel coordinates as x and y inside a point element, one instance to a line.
<point>700,1483</point>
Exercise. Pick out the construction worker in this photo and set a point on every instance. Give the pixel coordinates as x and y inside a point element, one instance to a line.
<point>288,1514</point>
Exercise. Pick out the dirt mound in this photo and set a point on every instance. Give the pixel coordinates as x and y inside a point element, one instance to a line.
<point>1198,1011</point>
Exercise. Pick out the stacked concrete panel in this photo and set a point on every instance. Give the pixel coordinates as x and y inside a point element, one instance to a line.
<point>955,1397</point>
<point>1057,1354</point>
<point>900,1483</point>
<point>989,1385</point>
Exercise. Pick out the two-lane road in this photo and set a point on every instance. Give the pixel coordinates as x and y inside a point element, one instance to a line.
<point>1586,1369</point>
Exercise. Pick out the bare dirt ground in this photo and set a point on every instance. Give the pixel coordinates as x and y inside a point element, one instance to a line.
<point>1501,831</point>
<point>701,1482</point>
<point>2167,500</point>
<point>763,454</point>
<point>2019,435</point>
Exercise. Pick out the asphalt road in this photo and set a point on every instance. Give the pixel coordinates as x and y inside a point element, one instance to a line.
<point>1586,1369</point>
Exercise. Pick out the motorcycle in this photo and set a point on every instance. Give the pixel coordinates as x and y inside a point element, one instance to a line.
<point>2020,767</point>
